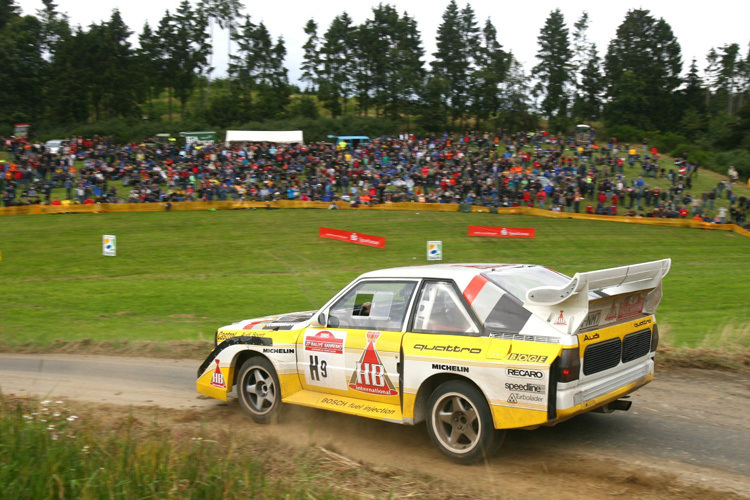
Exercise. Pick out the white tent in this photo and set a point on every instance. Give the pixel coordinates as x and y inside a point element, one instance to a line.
<point>287,136</point>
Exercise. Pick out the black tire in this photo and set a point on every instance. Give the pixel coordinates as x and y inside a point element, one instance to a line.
<point>259,391</point>
<point>460,424</point>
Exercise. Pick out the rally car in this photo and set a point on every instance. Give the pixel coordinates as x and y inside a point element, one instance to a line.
<point>472,349</point>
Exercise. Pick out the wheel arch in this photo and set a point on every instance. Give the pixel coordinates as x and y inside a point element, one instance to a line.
<point>241,357</point>
<point>431,383</point>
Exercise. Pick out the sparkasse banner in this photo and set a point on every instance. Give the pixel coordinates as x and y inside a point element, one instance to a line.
<point>502,232</point>
<point>352,237</point>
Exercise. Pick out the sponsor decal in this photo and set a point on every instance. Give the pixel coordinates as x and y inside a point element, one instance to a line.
<point>279,326</point>
<point>324,341</point>
<point>586,338</point>
<point>592,319</point>
<point>278,351</point>
<point>357,406</point>
<point>533,388</point>
<point>450,368</point>
<point>369,374</point>
<point>561,319</point>
<point>646,321</point>
<point>447,348</point>
<point>502,232</point>
<point>222,336</point>
<point>351,237</point>
<point>612,314</point>
<point>334,402</point>
<point>252,325</point>
<point>528,398</point>
<point>529,358</point>
<point>520,373</point>
<point>631,306</point>
<point>217,380</point>
<point>322,359</point>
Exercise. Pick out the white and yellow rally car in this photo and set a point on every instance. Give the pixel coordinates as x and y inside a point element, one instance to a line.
<point>472,349</point>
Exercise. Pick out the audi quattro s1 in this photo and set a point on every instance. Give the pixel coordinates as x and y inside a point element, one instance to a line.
<point>471,349</point>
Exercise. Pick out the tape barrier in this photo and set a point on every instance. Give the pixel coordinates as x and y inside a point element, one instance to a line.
<point>408,206</point>
<point>352,237</point>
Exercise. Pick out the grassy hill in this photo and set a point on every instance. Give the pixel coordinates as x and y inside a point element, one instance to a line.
<point>182,275</point>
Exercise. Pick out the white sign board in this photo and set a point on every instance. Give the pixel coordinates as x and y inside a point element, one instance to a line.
<point>434,250</point>
<point>109,245</point>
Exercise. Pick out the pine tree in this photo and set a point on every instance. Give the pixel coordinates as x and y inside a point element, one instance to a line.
<point>150,65</point>
<point>334,79</point>
<point>554,71</point>
<point>515,106</point>
<point>589,97</point>
<point>186,44</point>
<point>310,58</point>
<point>646,49</point>
<point>9,10</point>
<point>24,68</point>
<point>451,61</point>
<point>492,67</point>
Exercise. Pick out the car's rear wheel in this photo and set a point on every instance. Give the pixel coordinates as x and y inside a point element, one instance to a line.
<point>259,390</point>
<point>460,424</point>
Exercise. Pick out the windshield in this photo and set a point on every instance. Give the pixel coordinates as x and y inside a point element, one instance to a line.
<point>519,280</point>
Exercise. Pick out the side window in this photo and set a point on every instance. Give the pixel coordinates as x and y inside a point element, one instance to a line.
<point>440,310</point>
<point>376,305</point>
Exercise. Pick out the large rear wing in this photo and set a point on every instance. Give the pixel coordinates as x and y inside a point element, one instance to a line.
<point>566,307</point>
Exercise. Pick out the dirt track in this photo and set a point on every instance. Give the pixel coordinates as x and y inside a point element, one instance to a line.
<point>687,434</point>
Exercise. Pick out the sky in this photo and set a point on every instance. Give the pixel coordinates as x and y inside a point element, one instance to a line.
<point>698,26</point>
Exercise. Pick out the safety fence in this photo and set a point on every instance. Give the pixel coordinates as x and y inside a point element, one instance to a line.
<point>407,206</point>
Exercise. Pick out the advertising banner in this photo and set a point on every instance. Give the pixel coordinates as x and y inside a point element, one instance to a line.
<point>434,250</point>
<point>351,237</point>
<point>502,232</point>
<point>109,245</point>
<point>199,138</point>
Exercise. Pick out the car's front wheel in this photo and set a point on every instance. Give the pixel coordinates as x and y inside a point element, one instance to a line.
<point>259,390</point>
<point>460,424</point>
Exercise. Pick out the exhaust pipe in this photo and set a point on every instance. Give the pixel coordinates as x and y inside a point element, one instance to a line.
<point>620,404</point>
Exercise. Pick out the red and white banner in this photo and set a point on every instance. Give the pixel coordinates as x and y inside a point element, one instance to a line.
<point>350,237</point>
<point>502,232</point>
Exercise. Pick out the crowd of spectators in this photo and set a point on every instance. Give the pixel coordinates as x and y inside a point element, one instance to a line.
<point>532,169</point>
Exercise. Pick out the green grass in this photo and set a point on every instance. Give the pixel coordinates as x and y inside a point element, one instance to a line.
<point>179,276</point>
<point>47,452</point>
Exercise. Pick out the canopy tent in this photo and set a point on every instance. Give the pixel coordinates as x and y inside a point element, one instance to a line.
<point>264,136</point>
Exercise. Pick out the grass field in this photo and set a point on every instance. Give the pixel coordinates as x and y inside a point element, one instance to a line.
<point>182,275</point>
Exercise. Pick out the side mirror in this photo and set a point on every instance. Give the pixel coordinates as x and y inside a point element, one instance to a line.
<point>322,319</point>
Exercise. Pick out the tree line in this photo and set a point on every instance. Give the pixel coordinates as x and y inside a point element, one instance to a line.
<point>58,73</point>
